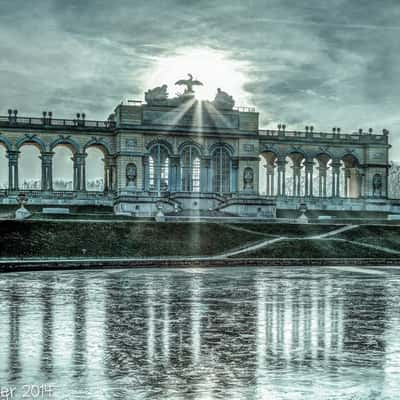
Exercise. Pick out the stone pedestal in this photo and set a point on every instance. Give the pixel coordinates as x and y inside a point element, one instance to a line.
<point>248,192</point>
<point>22,213</point>
<point>160,217</point>
<point>130,188</point>
<point>303,218</point>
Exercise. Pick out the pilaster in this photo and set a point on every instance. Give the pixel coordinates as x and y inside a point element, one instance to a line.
<point>79,166</point>
<point>205,175</point>
<point>47,170</point>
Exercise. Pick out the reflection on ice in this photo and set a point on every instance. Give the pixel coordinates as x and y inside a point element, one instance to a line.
<point>287,333</point>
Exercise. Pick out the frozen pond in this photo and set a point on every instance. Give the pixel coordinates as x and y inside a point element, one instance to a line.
<point>236,333</point>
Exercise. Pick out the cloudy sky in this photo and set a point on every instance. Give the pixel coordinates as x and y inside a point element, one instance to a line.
<point>326,63</point>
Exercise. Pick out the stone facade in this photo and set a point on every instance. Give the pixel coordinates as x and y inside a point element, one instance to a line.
<point>394,180</point>
<point>202,159</point>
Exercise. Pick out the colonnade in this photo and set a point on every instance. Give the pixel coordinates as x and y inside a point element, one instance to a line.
<point>46,181</point>
<point>295,175</point>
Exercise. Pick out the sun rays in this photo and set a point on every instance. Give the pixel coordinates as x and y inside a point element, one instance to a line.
<point>215,71</point>
<point>215,68</point>
<point>195,115</point>
<point>174,117</point>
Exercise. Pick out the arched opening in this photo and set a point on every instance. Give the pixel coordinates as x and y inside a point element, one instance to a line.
<point>268,174</point>
<point>159,168</point>
<point>349,182</point>
<point>3,168</point>
<point>29,167</point>
<point>322,176</point>
<point>221,165</point>
<point>63,169</point>
<point>190,169</point>
<point>94,167</point>
<point>295,174</point>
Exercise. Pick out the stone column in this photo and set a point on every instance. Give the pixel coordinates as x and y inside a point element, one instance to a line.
<point>309,164</point>
<point>307,183</point>
<point>83,166</point>
<point>294,173</point>
<point>174,173</point>
<point>211,177</point>
<point>79,171</point>
<point>347,175</point>
<point>334,175</point>
<point>266,180</point>
<point>270,178</point>
<point>319,182</point>
<point>322,180</point>
<point>335,179</point>
<point>12,169</point>
<point>279,191</point>
<point>234,176</point>
<point>106,175</point>
<point>146,173</point>
<point>111,174</point>
<point>360,174</point>
<point>296,179</point>
<point>205,175</point>
<point>178,184</point>
<point>109,167</point>
<point>281,177</point>
<point>47,170</point>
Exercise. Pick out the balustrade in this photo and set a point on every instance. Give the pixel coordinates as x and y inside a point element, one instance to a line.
<point>13,120</point>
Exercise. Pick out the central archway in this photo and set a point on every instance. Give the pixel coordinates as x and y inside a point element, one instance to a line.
<point>190,169</point>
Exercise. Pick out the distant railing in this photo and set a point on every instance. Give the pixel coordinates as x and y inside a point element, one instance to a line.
<point>355,136</point>
<point>237,108</point>
<point>245,109</point>
<point>56,194</point>
<point>49,122</point>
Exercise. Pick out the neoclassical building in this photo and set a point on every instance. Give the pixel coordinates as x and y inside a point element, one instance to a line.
<point>183,154</point>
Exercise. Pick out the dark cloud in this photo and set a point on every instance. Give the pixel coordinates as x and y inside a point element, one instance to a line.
<point>333,63</point>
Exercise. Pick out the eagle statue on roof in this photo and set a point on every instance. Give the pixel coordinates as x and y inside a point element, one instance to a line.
<point>189,83</point>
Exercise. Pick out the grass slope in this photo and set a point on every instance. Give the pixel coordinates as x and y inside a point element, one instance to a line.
<point>119,239</point>
<point>289,230</point>
<point>150,239</point>
<point>317,248</point>
<point>385,236</point>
